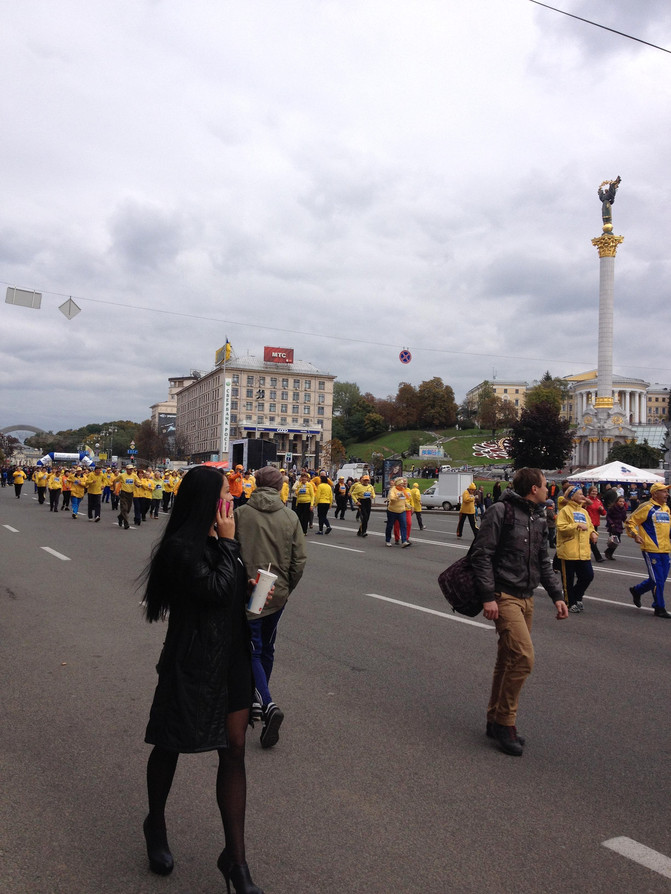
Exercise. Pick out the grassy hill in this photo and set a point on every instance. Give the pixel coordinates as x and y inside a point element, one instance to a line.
<point>458,445</point>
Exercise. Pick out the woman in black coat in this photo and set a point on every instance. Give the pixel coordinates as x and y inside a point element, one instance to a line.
<point>197,580</point>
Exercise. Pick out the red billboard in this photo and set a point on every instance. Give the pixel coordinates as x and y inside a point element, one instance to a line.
<point>278,355</point>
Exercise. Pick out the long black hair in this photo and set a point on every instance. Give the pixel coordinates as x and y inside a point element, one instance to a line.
<point>184,540</point>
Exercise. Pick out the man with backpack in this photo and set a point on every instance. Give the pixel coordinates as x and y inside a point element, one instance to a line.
<point>509,559</point>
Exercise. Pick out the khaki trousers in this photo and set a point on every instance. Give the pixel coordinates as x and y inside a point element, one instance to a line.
<point>514,659</point>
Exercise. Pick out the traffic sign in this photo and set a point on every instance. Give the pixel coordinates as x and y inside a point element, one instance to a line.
<point>405,356</point>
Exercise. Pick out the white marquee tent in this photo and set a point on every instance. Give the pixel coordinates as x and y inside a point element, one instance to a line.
<point>618,473</point>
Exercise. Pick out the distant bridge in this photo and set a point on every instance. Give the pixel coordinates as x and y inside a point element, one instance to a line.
<point>8,429</point>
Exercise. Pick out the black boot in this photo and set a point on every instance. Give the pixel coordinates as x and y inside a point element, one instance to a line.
<point>160,858</point>
<point>238,873</point>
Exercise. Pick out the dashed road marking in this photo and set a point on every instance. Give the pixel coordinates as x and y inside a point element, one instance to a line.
<point>53,552</point>
<point>432,611</point>
<point>10,528</point>
<point>641,854</point>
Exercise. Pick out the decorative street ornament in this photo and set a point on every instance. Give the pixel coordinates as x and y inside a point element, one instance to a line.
<point>69,309</point>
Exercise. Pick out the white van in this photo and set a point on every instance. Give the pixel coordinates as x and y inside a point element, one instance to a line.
<point>353,470</point>
<point>446,492</point>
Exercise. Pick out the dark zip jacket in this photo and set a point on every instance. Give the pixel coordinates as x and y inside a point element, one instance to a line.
<point>510,553</point>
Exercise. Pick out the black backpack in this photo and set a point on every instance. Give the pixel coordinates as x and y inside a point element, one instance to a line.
<point>458,583</point>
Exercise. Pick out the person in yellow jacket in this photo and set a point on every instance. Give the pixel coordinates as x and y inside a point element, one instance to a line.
<point>467,509</point>
<point>19,476</point>
<point>305,497</point>
<point>127,479</point>
<point>55,486</point>
<point>362,493</point>
<point>284,492</point>
<point>41,479</point>
<point>323,499</point>
<point>77,490</point>
<point>649,526</point>
<point>66,489</point>
<point>416,500</point>
<point>397,503</point>
<point>575,534</point>
<point>95,484</point>
<point>248,487</point>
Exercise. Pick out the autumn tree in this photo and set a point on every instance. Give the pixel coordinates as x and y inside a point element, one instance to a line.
<point>437,406</point>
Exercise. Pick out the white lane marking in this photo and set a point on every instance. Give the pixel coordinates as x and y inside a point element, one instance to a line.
<point>348,549</point>
<point>643,608</point>
<point>53,552</point>
<point>10,528</point>
<point>639,853</point>
<point>432,611</point>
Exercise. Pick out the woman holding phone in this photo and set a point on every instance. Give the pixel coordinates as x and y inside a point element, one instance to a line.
<point>197,581</point>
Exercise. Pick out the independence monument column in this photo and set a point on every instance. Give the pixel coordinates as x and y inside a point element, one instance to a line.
<point>603,423</point>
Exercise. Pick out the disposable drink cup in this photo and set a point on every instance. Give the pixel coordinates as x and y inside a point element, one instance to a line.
<point>264,581</point>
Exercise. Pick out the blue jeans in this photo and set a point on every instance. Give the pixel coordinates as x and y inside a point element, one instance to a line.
<point>264,632</point>
<point>75,505</point>
<point>396,517</point>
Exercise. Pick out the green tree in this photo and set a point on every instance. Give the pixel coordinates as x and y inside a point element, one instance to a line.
<point>407,407</point>
<point>151,445</point>
<point>549,390</point>
<point>642,456</point>
<point>540,438</point>
<point>8,447</point>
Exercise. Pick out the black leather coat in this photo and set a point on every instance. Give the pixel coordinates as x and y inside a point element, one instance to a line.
<point>206,621</point>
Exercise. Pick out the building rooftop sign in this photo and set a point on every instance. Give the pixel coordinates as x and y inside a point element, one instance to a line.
<point>278,355</point>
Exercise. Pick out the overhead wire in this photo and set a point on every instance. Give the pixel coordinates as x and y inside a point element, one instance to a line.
<point>599,25</point>
<point>343,338</point>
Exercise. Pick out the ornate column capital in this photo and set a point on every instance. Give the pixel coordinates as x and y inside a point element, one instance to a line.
<point>607,244</point>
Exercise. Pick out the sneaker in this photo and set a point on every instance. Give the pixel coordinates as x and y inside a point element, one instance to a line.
<point>574,609</point>
<point>662,613</point>
<point>328,530</point>
<point>635,596</point>
<point>272,721</point>
<point>508,740</point>
<point>256,713</point>
<point>490,733</point>
<point>97,518</point>
<point>580,606</point>
<point>359,534</point>
<point>388,543</point>
<point>405,543</point>
<point>319,533</point>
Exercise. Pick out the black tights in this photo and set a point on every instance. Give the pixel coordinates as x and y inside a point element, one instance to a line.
<point>231,785</point>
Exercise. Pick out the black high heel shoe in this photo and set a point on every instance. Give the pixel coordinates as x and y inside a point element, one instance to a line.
<point>160,858</point>
<point>238,873</point>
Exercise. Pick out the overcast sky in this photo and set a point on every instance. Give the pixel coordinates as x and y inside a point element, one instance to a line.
<point>343,177</point>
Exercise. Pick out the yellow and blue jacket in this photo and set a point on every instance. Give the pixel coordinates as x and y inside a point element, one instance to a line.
<point>652,523</point>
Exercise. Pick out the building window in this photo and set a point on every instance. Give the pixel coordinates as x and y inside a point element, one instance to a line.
<point>283,408</point>
<point>259,420</point>
<point>271,420</point>
<point>306,421</point>
<point>260,407</point>
<point>297,384</point>
<point>294,408</point>
<point>322,386</point>
<point>322,398</point>
<point>308,384</point>
<point>306,408</point>
<point>294,420</point>
<point>285,395</point>
<point>296,395</point>
<point>306,398</point>
<point>236,379</point>
<point>249,392</point>
<point>262,380</point>
<point>234,417</point>
<point>273,395</point>
<point>272,408</point>
<point>320,411</point>
<point>250,380</point>
<point>285,383</point>
<point>234,405</point>
<point>283,420</point>
<point>273,381</point>
<point>234,392</point>
<point>249,406</point>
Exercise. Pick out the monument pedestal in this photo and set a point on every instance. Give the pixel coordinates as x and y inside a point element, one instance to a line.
<point>601,428</point>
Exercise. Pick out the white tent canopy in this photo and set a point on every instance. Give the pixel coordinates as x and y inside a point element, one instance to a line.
<point>618,473</point>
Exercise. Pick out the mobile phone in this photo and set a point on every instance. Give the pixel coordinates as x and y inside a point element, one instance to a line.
<point>220,506</point>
